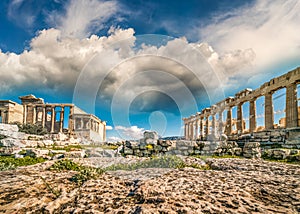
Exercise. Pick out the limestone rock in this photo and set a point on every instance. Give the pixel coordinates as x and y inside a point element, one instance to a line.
<point>75,154</point>
<point>252,150</point>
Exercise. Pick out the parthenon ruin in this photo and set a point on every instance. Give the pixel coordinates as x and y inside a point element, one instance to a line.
<point>209,122</point>
<point>53,117</point>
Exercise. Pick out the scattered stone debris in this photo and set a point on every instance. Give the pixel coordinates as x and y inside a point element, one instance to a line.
<point>230,186</point>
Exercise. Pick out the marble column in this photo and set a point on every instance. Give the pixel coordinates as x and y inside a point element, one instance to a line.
<point>269,117</point>
<point>61,119</point>
<point>71,122</point>
<point>185,130</point>
<point>34,119</point>
<point>196,129</point>
<point>240,127</point>
<point>104,132</point>
<point>220,123</point>
<point>201,128</point>
<point>52,118</point>
<point>206,131</point>
<point>291,106</point>
<point>252,115</point>
<point>213,125</point>
<point>192,131</point>
<point>81,123</point>
<point>24,114</point>
<point>43,116</point>
<point>229,122</point>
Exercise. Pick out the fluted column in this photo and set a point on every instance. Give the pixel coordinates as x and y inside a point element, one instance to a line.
<point>52,118</point>
<point>61,119</point>
<point>187,130</point>
<point>184,130</point>
<point>24,114</point>
<point>269,118</point>
<point>291,106</point>
<point>104,132</point>
<point>43,116</point>
<point>213,125</point>
<point>229,122</point>
<point>196,129</point>
<point>206,126</point>
<point>81,123</point>
<point>240,118</point>
<point>220,123</point>
<point>201,128</point>
<point>192,131</point>
<point>252,115</point>
<point>34,114</point>
<point>71,122</point>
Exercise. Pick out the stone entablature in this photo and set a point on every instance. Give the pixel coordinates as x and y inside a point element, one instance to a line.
<point>217,127</point>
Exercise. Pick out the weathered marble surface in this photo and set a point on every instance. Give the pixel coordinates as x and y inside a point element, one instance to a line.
<point>233,186</point>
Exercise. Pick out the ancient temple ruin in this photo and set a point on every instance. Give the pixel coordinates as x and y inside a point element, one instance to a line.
<point>209,123</point>
<point>55,117</point>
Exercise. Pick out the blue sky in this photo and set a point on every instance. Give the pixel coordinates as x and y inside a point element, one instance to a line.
<point>144,64</point>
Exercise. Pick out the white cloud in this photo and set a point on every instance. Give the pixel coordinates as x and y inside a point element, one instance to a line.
<point>53,62</point>
<point>83,17</point>
<point>114,139</point>
<point>21,14</point>
<point>268,28</point>
<point>132,132</point>
<point>109,128</point>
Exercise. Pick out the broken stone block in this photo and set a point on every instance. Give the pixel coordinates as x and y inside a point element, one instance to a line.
<point>252,150</point>
<point>151,135</point>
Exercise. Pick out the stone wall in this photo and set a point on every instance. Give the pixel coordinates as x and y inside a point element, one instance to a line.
<point>209,148</point>
<point>181,147</point>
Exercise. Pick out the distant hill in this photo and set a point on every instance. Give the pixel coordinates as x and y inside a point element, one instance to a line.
<point>172,138</point>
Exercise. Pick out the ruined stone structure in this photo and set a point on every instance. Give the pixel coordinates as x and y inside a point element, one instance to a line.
<point>10,112</point>
<point>204,125</point>
<point>53,116</point>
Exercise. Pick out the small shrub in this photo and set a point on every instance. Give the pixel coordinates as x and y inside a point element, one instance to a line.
<point>68,148</point>
<point>156,162</point>
<point>149,147</point>
<point>6,166</point>
<point>9,162</point>
<point>35,129</point>
<point>65,164</point>
<point>2,136</point>
<point>110,147</point>
<point>84,173</point>
<point>53,190</point>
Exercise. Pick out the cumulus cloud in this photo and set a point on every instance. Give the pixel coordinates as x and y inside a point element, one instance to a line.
<point>132,132</point>
<point>176,73</point>
<point>114,139</point>
<point>52,63</point>
<point>81,17</point>
<point>109,128</point>
<point>268,29</point>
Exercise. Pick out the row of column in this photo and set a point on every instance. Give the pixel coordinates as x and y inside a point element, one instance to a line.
<point>192,132</point>
<point>31,115</point>
<point>88,123</point>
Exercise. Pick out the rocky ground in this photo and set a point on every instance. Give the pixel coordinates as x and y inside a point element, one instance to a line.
<point>232,186</point>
